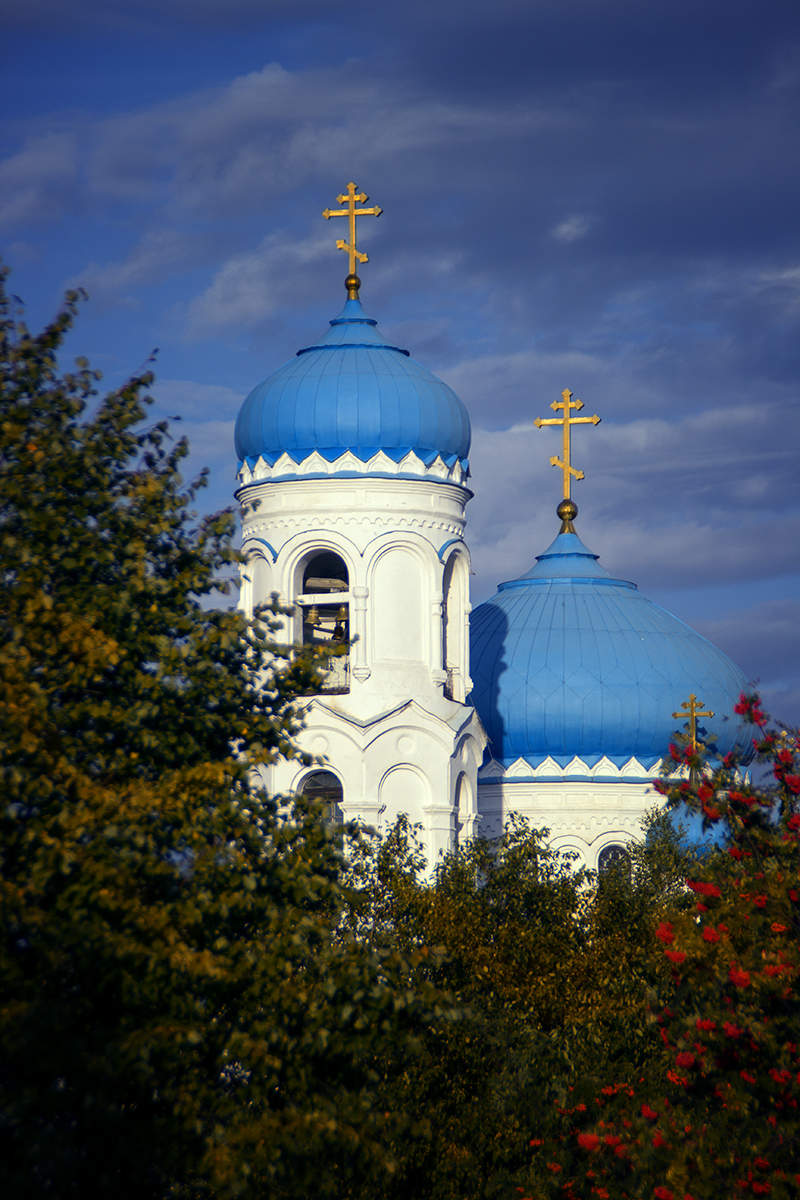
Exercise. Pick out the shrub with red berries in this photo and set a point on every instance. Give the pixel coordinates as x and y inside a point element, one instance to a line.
<point>717,1113</point>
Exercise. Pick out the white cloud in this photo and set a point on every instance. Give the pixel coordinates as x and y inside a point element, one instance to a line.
<point>571,229</point>
<point>244,146</point>
<point>154,256</point>
<point>250,286</point>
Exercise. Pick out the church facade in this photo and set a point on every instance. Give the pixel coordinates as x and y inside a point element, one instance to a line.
<point>553,700</point>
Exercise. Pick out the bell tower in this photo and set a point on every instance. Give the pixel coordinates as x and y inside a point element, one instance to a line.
<point>353,475</point>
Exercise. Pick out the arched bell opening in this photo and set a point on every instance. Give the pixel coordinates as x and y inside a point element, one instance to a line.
<point>614,859</point>
<point>323,607</point>
<point>327,790</point>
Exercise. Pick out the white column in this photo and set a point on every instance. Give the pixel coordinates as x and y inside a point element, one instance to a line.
<point>358,629</point>
<point>438,673</point>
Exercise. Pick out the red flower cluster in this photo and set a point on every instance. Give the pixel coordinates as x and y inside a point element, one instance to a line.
<point>675,956</point>
<point>750,707</point>
<point>703,889</point>
<point>738,977</point>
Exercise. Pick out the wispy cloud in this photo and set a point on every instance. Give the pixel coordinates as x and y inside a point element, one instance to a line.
<point>571,229</point>
<point>36,181</point>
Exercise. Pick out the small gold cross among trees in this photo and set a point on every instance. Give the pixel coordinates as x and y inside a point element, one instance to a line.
<point>567,405</point>
<point>692,709</point>
<point>352,199</point>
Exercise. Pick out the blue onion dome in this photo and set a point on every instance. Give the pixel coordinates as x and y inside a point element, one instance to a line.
<point>353,391</point>
<point>569,662</point>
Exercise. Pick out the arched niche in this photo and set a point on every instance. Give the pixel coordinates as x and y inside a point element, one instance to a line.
<point>402,790</point>
<point>455,597</point>
<point>322,607</point>
<point>398,606</point>
<point>256,575</point>
<point>464,807</point>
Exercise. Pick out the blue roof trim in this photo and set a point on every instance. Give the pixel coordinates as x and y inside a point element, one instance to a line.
<point>444,546</point>
<point>362,453</point>
<point>567,580</point>
<point>362,319</point>
<point>354,346</point>
<point>263,542</point>
<point>358,475</point>
<point>505,780</point>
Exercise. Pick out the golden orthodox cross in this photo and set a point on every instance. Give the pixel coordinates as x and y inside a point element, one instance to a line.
<point>692,710</point>
<point>568,405</point>
<point>352,198</point>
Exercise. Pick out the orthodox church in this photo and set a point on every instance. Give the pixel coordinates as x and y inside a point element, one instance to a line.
<point>555,699</point>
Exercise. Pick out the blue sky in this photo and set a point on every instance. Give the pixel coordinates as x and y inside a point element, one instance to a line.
<point>594,194</point>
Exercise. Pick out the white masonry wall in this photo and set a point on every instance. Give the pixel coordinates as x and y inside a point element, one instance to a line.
<point>586,810</point>
<point>401,739</point>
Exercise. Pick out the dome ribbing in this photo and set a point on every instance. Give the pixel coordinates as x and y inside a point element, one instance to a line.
<point>568,662</point>
<point>352,391</point>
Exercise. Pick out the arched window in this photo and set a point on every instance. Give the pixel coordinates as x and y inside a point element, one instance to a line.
<point>614,858</point>
<point>326,788</point>
<point>324,604</point>
<point>463,808</point>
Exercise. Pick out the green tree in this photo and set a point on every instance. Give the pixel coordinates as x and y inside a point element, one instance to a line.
<point>716,1112</point>
<point>553,975</point>
<point>181,1011</point>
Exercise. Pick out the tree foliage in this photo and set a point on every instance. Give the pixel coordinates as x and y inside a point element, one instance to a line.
<point>552,973</point>
<point>180,1011</point>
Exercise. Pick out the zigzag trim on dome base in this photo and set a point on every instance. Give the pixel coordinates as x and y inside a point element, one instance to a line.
<point>522,770</point>
<point>450,469</point>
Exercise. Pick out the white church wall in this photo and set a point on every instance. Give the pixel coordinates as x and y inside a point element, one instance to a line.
<point>394,739</point>
<point>584,816</point>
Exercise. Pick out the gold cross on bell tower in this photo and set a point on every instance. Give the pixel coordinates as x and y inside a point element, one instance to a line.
<point>568,405</point>
<point>352,198</point>
<point>692,709</point>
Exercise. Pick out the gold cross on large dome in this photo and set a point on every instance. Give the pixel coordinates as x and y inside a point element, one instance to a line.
<point>567,405</point>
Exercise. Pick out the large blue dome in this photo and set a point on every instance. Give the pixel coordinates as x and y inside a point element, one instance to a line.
<point>352,391</point>
<point>567,661</point>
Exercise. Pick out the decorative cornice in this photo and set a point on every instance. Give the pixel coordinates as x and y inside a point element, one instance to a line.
<point>549,771</point>
<point>285,468</point>
<point>388,520</point>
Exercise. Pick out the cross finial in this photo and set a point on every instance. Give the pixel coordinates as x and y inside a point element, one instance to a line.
<point>352,198</point>
<point>567,405</point>
<point>692,709</point>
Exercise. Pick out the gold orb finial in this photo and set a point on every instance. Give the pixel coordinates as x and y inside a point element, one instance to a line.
<point>566,512</point>
<point>352,283</point>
